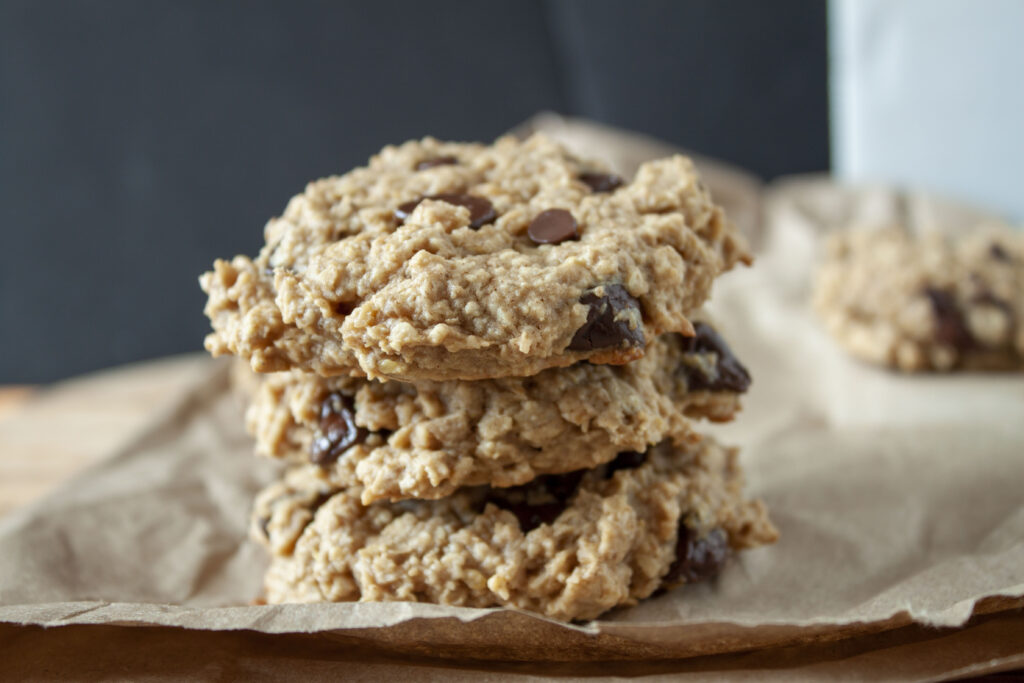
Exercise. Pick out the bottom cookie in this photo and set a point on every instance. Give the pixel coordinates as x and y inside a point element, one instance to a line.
<point>568,546</point>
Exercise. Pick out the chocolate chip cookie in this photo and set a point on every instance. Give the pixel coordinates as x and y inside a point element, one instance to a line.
<point>425,439</point>
<point>926,302</point>
<point>442,261</point>
<point>569,546</point>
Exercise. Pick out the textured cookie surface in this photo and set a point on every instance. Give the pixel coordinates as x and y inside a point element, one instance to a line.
<point>425,439</point>
<point>926,303</point>
<point>568,546</point>
<point>461,261</point>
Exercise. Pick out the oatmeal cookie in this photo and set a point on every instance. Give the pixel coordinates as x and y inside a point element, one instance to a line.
<point>927,302</point>
<point>443,261</point>
<point>569,546</point>
<point>425,439</point>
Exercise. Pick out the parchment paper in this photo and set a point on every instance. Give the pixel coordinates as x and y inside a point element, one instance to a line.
<point>899,498</point>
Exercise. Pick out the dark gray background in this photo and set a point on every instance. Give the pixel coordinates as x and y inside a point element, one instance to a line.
<point>141,140</point>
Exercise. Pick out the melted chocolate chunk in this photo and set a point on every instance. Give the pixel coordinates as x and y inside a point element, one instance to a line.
<point>531,514</point>
<point>725,374</point>
<point>601,182</point>
<point>627,460</point>
<point>405,208</point>
<point>608,321</point>
<point>697,558</point>
<point>950,328</point>
<point>552,226</point>
<point>481,211</point>
<point>338,431</point>
<point>436,161</point>
<point>997,252</point>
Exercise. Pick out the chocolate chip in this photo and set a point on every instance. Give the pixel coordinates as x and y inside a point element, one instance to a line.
<point>436,161</point>
<point>522,501</point>
<point>697,558</point>
<point>552,226</point>
<point>713,365</point>
<point>481,211</point>
<point>997,252</point>
<point>344,308</point>
<point>601,182</point>
<point>338,431</point>
<point>405,208</point>
<point>627,460</point>
<point>613,320</point>
<point>950,328</point>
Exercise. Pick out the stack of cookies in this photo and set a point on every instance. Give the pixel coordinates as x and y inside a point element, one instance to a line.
<point>481,367</point>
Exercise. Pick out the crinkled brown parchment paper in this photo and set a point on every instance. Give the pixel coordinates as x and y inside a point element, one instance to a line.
<point>900,499</point>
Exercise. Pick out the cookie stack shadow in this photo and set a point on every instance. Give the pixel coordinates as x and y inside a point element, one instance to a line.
<point>506,416</point>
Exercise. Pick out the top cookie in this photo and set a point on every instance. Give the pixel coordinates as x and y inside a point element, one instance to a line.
<point>927,302</point>
<point>442,261</point>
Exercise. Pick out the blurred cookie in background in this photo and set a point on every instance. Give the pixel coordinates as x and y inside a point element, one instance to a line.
<point>926,302</point>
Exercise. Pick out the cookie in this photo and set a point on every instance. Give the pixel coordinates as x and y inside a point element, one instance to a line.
<point>927,302</point>
<point>442,261</point>
<point>569,546</point>
<point>426,439</point>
